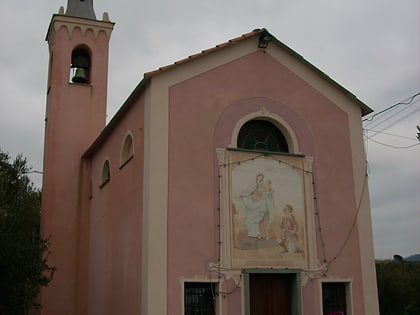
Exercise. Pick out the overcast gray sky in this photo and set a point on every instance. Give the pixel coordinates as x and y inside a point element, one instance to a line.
<point>372,48</point>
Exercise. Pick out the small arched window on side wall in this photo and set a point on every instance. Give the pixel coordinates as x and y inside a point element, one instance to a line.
<point>127,150</point>
<point>80,66</point>
<point>261,135</point>
<point>105,174</point>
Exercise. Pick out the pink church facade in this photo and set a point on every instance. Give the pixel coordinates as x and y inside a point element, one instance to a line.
<point>232,182</point>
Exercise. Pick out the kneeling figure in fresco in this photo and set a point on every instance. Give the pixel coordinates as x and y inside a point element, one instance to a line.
<point>288,230</point>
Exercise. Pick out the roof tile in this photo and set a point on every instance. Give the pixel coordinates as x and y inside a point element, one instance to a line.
<point>204,52</point>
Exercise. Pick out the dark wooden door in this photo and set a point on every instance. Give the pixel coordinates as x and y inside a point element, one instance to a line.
<point>270,294</point>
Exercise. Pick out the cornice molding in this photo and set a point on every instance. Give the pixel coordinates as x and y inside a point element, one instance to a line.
<point>70,23</point>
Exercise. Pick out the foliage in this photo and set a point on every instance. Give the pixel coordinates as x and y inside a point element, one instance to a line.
<point>23,252</point>
<point>398,287</point>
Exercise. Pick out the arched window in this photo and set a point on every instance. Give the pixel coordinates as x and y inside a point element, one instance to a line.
<point>80,66</point>
<point>261,135</point>
<point>127,150</point>
<point>106,173</point>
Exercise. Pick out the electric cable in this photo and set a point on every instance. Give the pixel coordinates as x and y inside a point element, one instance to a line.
<point>350,232</point>
<point>393,146</point>
<point>396,121</point>
<point>407,101</point>
<point>389,134</point>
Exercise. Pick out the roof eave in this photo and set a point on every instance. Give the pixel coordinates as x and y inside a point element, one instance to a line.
<point>130,101</point>
<point>364,108</point>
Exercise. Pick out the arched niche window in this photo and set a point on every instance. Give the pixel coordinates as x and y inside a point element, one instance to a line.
<point>261,135</point>
<point>127,150</point>
<point>106,173</point>
<point>80,66</point>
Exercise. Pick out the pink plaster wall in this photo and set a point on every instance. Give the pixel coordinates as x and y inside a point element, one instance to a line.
<point>115,222</point>
<point>203,112</point>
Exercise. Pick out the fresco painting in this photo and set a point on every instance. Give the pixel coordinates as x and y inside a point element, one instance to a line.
<point>268,213</point>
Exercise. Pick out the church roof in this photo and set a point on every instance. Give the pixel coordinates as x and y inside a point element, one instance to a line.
<point>365,109</point>
<point>82,9</point>
<point>257,33</point>
<point>204,52</point>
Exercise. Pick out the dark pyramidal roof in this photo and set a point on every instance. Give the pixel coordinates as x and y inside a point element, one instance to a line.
<point>81,8</point>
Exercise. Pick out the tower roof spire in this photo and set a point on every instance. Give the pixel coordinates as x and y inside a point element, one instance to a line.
<point>81,8</point>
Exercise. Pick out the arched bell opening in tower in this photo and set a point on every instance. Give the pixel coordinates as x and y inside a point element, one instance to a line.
<point>80,66</point>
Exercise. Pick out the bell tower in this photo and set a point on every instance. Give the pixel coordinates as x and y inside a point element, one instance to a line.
<point>75,115</point>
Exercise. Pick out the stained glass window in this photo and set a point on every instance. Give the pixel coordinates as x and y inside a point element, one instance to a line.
<point>261,135</point>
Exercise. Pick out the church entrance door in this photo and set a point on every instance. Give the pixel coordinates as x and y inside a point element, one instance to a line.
<point>270,294</point>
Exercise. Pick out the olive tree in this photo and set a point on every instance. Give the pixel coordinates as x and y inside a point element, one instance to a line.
<point>24,269</point>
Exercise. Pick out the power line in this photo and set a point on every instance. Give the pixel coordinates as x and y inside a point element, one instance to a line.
<point>393,123</point>
<point>393,146</point>
<point>389,134</point>
<point>407,101</point>
<point>350,232</point>
<point>386,118</point>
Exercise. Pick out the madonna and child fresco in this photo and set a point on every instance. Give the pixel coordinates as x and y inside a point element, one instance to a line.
<point>268,211</point>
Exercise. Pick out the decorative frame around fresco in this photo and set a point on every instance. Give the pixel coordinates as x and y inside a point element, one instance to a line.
<point>287,180</point>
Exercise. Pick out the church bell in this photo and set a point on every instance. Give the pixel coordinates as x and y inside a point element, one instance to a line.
<point>80,76</point>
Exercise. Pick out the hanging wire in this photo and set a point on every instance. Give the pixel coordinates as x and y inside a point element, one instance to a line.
<point>393,146</point>
<point>318,220</point>
<point>350,232</point>
<point>219,227</point>
<point>237,286</point>
<point>389,134</point>
<point>396,121</point>
<point>311,273</point>
<point>315,273</point>
<point>272,156</point>
<point>407,101</point>
<point>371,126</point>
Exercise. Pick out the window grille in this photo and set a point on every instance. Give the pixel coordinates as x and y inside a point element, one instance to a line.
<point>334,298</point>
<point>199,298</point>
